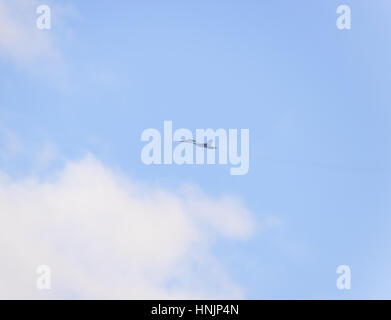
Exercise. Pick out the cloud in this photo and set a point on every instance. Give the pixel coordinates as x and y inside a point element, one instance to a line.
<point>10,144</point>
<point>105,236</point>
<point>47,154</point>
<point>21,40</point>
<point>36,156</point>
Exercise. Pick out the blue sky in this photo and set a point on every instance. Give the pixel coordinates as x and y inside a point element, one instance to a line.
<point>315,99</point>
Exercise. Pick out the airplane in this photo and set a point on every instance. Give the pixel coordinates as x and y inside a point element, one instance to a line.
<point>207,145</point>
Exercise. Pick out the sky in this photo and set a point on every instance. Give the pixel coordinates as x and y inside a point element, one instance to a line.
<point>75,195</point>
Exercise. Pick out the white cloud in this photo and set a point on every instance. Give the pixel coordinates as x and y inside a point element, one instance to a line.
<point>46,155</point>
<point>10,144</point>
<point>40,155</point>
<point>105,236</point>
<point>21,40</point>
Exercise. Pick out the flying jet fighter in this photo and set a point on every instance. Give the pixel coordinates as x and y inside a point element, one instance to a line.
<point>207,145</point>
